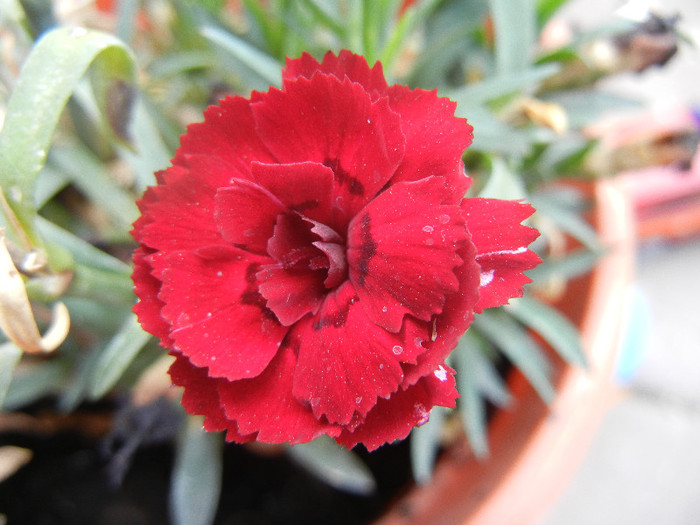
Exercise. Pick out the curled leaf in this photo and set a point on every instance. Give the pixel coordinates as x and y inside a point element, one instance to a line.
<point>16,317</point>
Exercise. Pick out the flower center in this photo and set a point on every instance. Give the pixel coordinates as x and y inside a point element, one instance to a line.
<point>310,260</point>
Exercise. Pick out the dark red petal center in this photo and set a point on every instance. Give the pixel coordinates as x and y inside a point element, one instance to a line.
<point>309,261</point>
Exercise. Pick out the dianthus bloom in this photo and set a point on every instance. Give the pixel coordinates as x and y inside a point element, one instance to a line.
<point>310,259</point>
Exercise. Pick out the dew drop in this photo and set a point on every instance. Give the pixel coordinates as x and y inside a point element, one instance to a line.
<point>381,366</point>
<point>444,219</point>
<point>385,309</point>
<point>398,349</point>
<point>358,400</point>
<point>441,374</point>
<point>219,273</point>
<point>486,278</point>
<point>315,401</point>
<point>421,413</point>
<point>418,341</point>
<point>428,229</point>
<point>428,242</point>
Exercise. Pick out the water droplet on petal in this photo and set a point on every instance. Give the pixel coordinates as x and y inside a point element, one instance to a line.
<point>428,242</point>
<point>428,229</point>
<point>421,413</point>
<point>444,219</point>
<point>358,400</point>
<point>486,278</point>
<point>398,349</point>
<point>315,401</point>
<point>441,374</point>
<point>418,341</point>
<point>384,309</point>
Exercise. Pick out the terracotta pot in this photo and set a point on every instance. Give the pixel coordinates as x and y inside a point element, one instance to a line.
<point>535,448</point>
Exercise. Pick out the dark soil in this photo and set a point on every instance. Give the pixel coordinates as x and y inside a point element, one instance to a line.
<point>68,483</point>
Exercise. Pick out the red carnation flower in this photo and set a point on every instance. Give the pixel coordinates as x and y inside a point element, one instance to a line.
<point>310,260</point>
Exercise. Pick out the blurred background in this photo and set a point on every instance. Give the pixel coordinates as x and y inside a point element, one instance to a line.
<point>643,466</point>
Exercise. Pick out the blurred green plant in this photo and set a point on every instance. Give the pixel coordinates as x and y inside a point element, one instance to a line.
<point>92,114</point>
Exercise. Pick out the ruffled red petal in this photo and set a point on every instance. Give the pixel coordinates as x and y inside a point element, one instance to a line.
<point>335,123</point>
<point>227,134</point>
<point>345,361</point>
<point>345,64</point>
<point>445,330</point>
<point>303,187</point>
<point>435,138</point>
<point>501,243</point>
<point>402,251</point>
<point>177,215</point>
<point>218,320</point>
<point>146,287</point>
<point>201,397</point>
<point>393,418</point>
<point>291,293</point>
<point>245,214</point>
<point>265,405</point>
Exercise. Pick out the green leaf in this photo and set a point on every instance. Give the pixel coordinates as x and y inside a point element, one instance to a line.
<point>48,77</point>
<point>547,8</point>
<point>503,183</point>
<point>322,14</point>
<point>36,382</point>
<point>585,106</point>
<point>337,466</point>
<point>425,443</point>
<point>556,329</point>
<point>568,219</point>
<point>48,183</point>
<point>571,265</point>
<point>82,251</point>
<point>262,64</point>
<point>471,404</point>
<point>177,63</point>
<point>480,93</point>
<point>117,355</point>
<point>127,14</point>
<point>477,382</point>
<point>150,152</point>
<point>514,23</point>
<point>491,135</point>
<point>195,485</point>
<point>95,182</point>
<point>78,389</point>
<point>9,357</point>
<point>413,16</point>
<point>517,345</point>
